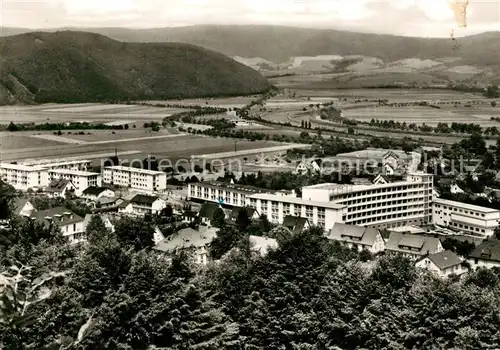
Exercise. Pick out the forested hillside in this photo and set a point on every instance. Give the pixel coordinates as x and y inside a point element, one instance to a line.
<point>85,67</point>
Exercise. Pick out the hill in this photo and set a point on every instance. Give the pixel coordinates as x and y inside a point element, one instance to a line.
<point>74,66</point>
<point>278,44</point>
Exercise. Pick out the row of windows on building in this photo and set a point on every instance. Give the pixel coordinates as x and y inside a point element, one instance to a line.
<point>465,227</point>
<point>464,211</point>
<point>387,217</point>
<point>392,190</point>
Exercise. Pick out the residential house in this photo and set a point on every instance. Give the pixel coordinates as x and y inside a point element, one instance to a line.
<point>60,188</point>
<point>142,204</point>
<point>412,246</point>
<point>23,207</point>
<point>361,181</point>
<point>262,245</point>
<point>252,214</point>
<point>295,224</point>
<point>443,264</point>
<point>189,216</point>
<point>486,254</point>
<point>307,166</point>
<point>206,212</point>
<point>195,243</point>
<point>109,202</point>
<point>105,220</point>
<point>381,179</point>
<point>360,237</point>
<point>94,193</point>
<point>70,224</point>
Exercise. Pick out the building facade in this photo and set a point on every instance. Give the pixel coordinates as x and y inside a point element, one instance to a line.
<point>471,219</point>
<point>222,192</point>
<point>81,179</point>
<point>383,205</point>
<point>277,207</point>
<point>139,179</point>
<point>23,177</point>
<point>62,164</point>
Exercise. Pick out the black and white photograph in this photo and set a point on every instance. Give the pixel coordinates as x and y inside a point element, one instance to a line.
<point>249,174</point>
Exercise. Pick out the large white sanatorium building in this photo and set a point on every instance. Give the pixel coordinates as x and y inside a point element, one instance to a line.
<point>383,205</point>
<point>139,179</point>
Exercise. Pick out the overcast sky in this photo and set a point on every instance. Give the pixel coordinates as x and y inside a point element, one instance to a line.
<point>405,17</point>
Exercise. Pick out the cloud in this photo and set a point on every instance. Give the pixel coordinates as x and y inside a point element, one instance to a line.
<point>407,17</point>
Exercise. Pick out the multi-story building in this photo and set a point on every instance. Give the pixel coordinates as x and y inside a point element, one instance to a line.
<point>23,177</point>
<point>70,224</point>
<point>139,179</point>
<point>385,205</point>
<point>80,179</point>
<point>471,219</point>
<point>277,207</point>
<point>62,164</point>
<point>222,192</point>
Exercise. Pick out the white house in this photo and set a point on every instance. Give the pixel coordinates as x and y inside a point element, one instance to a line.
<point>360,237</point>
<point>412,246</point>
<point>94,193</point>
<point>194,242</point>
<point>70,224</point>
<point>142,204</point>
<point>486,254</point>
<point>80,179</point>
<point>23,207</point>
<point>60,188</point>
<point>443,264</point>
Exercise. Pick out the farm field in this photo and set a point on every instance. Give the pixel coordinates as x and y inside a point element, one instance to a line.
<point>92,112</point>
<point>229,102</point>
<point>390,94</point>
<point>427,115</point>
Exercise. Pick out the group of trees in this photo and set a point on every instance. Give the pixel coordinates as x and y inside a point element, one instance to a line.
<point>441,128</point>
<point>305,124</point>
<point>13,127</point>
<point>117,293</point>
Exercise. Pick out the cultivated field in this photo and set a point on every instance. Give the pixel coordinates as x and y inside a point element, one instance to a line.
<point>229,102</point>
<point>427,115</point>
<point>53,113</point>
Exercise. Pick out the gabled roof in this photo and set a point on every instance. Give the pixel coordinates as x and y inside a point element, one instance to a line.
<point>235,211</point>
<point>58,185</point>
<point>94,190</point>
<point>18,204</point>
<point>143,199</point>
<point>123,204</point>
<point>59,216</point>
<point>353,234</point>
<point>187,238</point>
<point>414,244</point>
<point>489,249</point>
<point>445,259</point>
<point>208,209</point>
<point>296,224</point>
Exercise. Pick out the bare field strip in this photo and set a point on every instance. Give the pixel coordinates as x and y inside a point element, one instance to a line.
<point>250,151</point>
<point>14,141</point>
<point>58,138</point>
<point>92,108</point>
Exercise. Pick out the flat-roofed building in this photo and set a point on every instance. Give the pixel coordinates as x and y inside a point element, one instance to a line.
<point>135,178</point>
<point>80,179</point>
<point>471,219</point>
<point>391,204</point>
<point>23,177</point>
<point>277,207</point>
<point>222,192</point>
<point>61,164</point>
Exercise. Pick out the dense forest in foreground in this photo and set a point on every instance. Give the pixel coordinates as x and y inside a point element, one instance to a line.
<point>309,293</point>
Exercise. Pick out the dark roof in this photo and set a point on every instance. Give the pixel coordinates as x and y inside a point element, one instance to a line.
<point>295,224</point>
<point>57,185</point>
<point>123,204</point>
<point>207,210</point>
<point>18,205</point>
<point>189,213</point>
<point>224,179</point>
<point>143,199</point>
<point>94,190</point>
<point>445,259</point>
<point>234,212</point>
<point>414,244</point>
<point>489,250</point>
<point>354,234</point>
<point>59,216</point>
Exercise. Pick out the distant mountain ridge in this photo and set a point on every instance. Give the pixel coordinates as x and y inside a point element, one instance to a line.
<point>75,66</point>
<point>278,43</point>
